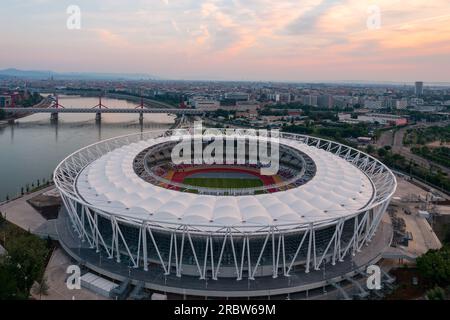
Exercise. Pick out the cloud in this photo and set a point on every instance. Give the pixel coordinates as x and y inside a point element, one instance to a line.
<point>307,21</point>
<point>110,38</point>
<point>288,38</point>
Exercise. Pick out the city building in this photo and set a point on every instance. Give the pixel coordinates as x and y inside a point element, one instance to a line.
<point>344,101</point>
<point>238,96</point>
<point>416,102</point>
<point>5,101</point>
<point>325,101</point>
<point>373,104</point>
<point>247,105</point>
<point>384,119</point>
<point>207,105</point>
<point>418,88</point>
<point>246,114</point>
<point>401,103</point>
<point>309,100</point>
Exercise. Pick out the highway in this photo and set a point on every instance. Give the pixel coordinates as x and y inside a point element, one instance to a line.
<point>395,140</point>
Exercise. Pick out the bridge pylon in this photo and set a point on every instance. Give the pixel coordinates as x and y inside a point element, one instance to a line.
<point>55,115</point>
<point>141,106</point>
<point>100,105</point>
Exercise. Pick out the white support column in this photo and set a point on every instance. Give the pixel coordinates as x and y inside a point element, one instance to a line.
<point>116,230</point>
<point>169,263</point>
<point>138,252</point>
<point>381,210</point>
<point>368,221</point>
<point>332,240</point>
<point>250,273</point>
<point>144,246</point>
<point>72,215</point>
<point>89,237</point>
<point>157,249</point>
<point>335,249</point>
<point>307,231</point>
<point>274,266</point>
<point>195,254</point>
<point>244,241</point>
<point>277,263</point>
<point>125,244</point>
<point>363,225</point>
<point>113,238</point>
<point>203,275</point>
<point>260,255</point>
<point>339,243</point>
<point>177,265</point>
<point>308,256</point>
<point>284,256</point>
<point>211,246</point>
<point>96,233</point>
<point>82,223</point>
<point>221,255</point>
<point>355,235</point>
<point>238,274</point>
<point>180,259</point>
<point>314,250</point>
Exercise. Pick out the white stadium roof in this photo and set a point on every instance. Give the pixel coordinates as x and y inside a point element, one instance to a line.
<point>338,189</point>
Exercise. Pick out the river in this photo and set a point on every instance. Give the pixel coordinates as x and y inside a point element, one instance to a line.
<point>32,148</point>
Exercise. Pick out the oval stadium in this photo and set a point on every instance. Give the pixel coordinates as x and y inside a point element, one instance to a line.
<point>203,227</point>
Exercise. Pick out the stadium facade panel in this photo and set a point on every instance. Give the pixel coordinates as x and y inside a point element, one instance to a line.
<point>327,204</point>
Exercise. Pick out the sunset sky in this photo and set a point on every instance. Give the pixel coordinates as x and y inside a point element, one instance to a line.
<point>308,40</point>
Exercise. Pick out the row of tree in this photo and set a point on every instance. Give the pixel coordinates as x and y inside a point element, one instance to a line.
<point>440,155</point>
<point>435,267</point>
<point>426,135</point>
<point>24,263</point>
<point>397,161</point>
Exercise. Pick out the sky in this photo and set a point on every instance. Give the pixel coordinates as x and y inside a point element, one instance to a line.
<point>249,40</point>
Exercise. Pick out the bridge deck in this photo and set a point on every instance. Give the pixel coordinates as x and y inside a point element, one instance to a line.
<point>103,110</point>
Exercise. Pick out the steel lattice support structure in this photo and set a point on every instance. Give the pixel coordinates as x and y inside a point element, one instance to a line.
<point>224,251</point>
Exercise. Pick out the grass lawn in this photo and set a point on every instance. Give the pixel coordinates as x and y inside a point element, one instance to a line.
<point>221,183</point>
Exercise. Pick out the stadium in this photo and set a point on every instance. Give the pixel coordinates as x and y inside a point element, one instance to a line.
<point>200,228</point>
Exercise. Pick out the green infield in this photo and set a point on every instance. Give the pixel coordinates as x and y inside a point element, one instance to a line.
<point>223,183</point>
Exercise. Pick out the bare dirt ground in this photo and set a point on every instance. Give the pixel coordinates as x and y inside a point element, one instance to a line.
<point>436,144</point>
<point>412,200</point>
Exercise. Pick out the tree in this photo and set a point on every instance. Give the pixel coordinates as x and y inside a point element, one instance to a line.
<point>370,148</point>
<point>435,265</point>
<point>382,152</point>
<point>8,287</point>
<point>437,293</point>
<point>41,288</point>
<point>26,257</point>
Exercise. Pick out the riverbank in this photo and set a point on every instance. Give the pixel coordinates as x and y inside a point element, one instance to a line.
<point>44,103</point>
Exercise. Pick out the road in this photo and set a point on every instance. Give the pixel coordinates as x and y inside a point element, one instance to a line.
<point>104,110</point>
<point>395,140</point>
<point>22,214</point>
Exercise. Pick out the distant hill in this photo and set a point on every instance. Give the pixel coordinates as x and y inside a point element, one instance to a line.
<point>42,75</point>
